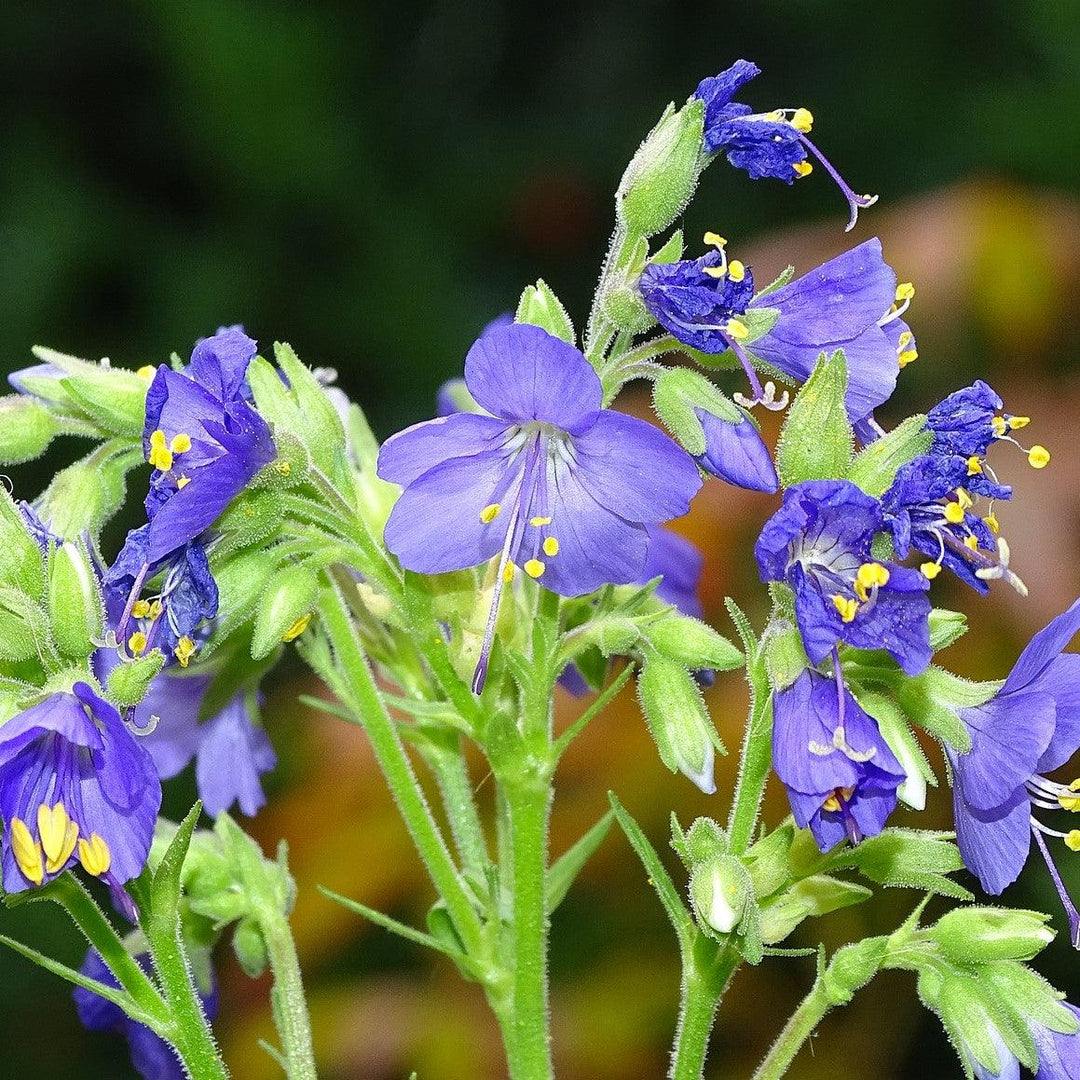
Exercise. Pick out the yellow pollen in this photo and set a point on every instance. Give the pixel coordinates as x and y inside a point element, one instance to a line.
<point>775,116</point>
<point>551,547</point>
<point>27,852</point>
<point>908,356</point>
<point>930,570</point>
<point>137,643</point>
<point>508,572</point>
<point>905,291</point>
<point>1069,802</point>
<point>180,444</point>
<point>538,521</point>
<point>847,606</point>
<point>147,371</point>
<point>1075,785</point>
<point>736,329</point>
<point>156,609</point>
<point>715,271</point>
<point>182,482</point>
<point>160,455</point>
<point>714,240</point>
<point>140,609</point>
<point>803,120</point>
<point>992,523</point>
<point>297,628</point>
<point>803,168</point>
<point>490,513</point>
<point>184,651</point>
<point>1038,457</point>
<point>534,568</point>
<point>736,270</point>
<point>972,542</point>
<point>58,835</point>
<point>871,574</point>
<point>283,468</point>
<point>974,465</point>
<point>1018,422</point>
<point>832,803</point>
<point>954,513</point>
<point>963,498</point>
<point>1072,839</point>
<point>999,424</point>
<point>95,855</point>
<point>905,339</point>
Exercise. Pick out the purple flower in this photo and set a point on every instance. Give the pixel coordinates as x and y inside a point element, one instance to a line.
<point>819,544</point>
<point>550,481</point>
<point>1059,1054</point>
<point>75,786</point>
<point>151,1056</point>
<point>841,777</point>
<point>679,565</point>
<point>764,144</point>
<point>736,453</point>
<point>1029,728</point>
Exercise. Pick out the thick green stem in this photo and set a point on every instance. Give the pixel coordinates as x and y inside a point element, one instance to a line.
<point>756,761</point>
<point>702,988</point>
<point>796,1031</point>
<point>290,1005</point>
<point>397,769</point>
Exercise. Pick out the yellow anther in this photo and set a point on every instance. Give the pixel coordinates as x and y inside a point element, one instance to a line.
<point>971,541</point>
<point>137,643</point>
<point>974,465</point>
<point>736,270</point>
<point>182,482</point>
<point>508,572</point>
<point>963,498</point>
<point>908,356</point>
<point>1000,425</point>
<point>1018,422</point>
<point>490,513</point>
<point>992,523</point>
<point>95,855</point>
<point>904,291</point>
<point>714,240</point>
<point>297,628</point>
<point>803,168</point>
<point>954,513</point>
<point>715,271</point>
<point>147,371</point>
<point>551,547</point>
<point>905,339</point>
<point>871,574</point>
<point>1069,802</point>
<point>736,330</point>
<point>847,606</point>
<point>802,120</point>
<point>157,438</point>
<point>1072,839</point>
<point>1075,785</point>
<point>160,456</point>
<point>832,803</point>
<point>1038,457</point>
<point>27,852</point>
<point>534,568</point>
<point>140,609</point>
<point>156,608</point>
<point>180,444</point>
<point>930,570</point>
<point>538,521</point>
<point>58,835</point>
<point>184,651</point>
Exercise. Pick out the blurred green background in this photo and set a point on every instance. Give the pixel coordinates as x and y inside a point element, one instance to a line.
<point>373,182</point>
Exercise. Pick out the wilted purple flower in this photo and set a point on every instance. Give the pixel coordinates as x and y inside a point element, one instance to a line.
<point>75,786</point>
<point>151,1057</point>
<point>1029,728</point>
<point>819,544</point>
<point>764,144</point>
<point>550,481</point>
<point>840,775</point>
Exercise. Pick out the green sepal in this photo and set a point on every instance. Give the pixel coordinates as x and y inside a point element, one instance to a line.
<point>692,643</point>
<point>895,727</point>
<point>946,627</point>
<point>662,175</point>
<point>785,655</point>
<point>291,594</point>
<point>241,582</point>
<point>1030,995</point>
<point>129,681</point>
<point>539,306</point>
<point>776,284</point>
<point>817,439</point>
<point>22,564</point>
<point>670,251</point>
<point>82,497</point>
<point>26,429</point>
<point>907,858</point>
<point>75,605</point>
<point>24,627</point>
<point>249,947</point>
<point>977,935</point>
<point>807,898</point>
<point>768,861</point>
<point>565,869</point>
<point>114,398</point>
<point>933,698</point>
<point>253,517</point>
<point>874,468</point>
<point>677,393</point>
<point>622,301</point>
<point>758,322</point>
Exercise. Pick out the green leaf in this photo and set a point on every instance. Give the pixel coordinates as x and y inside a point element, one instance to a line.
<point>933,698</point>
<point>677,393</point>
<point>875,467</point>
<point>946,627</point>
<point>567,866</point>
<point>817,440</point>
<point>658,876</point>
<point>163,917</point>
<point>778,283</point>
<point>539,306</point>
<point>907,858</point>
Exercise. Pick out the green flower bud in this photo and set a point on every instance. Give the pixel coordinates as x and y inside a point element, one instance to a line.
<point>129,681</point>
<point>704,841</point>
<point>26,429</point>
<point>980,934</point>
<point>946,627</point>
<point>692,644</point>
<point>24,626</point>
<point>852,967</point>
<point>75,607</point>
<point>250,947</point>
<point>720,891</point>
<point>677,395</point>
<point>816,895</point>
<point>785,657</point>
<point>662,176</point>
<point>284,609</point>
<point>768,861</point>
<point>113,397</point>
<point>539,306</point>
<point>970,1015</point>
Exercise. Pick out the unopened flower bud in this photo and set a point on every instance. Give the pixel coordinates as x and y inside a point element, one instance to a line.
<point>982,934</point>
<point>75,608</point>
<point>26,429</point>
<point>720,890</point>
<point>250,948</point>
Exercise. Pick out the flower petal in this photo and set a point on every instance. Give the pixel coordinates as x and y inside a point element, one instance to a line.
<point>994,844</point>
<point>737,454</point>
<point>1061,680</point>
<point>410,453</point>
<point>1042,649</point>
<point>235,752</point>
<point>220,362</point>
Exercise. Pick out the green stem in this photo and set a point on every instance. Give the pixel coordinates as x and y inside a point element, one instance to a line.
<point>445,754</point>
<point>397,769</point>
<point>756,761</point>
<point>290,1005</point>
<point>699,998</point>
<point>796,1031</point>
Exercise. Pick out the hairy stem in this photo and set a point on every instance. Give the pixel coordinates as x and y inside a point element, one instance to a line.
<point>289,1003</point>
<point>796,1031</point>
<point>756,760</point>
<point>702,987</point>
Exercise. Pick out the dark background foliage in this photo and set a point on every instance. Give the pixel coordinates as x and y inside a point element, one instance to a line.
<point>373,182</point>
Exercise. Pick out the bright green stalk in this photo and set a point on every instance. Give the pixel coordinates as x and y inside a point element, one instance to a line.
<point>289,1003</point>
<point>445,754</point>
<point>703,984</point>
<point>796,1031</point>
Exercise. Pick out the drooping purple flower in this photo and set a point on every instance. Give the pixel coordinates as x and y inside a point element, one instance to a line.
<point>1028,729</point>
<point>75,786</point>
<point>550,481</point>
<point>151,1057</point>
<point>840,775</point>
<point>764,144</point>
<point>735,452</point>
<point>819,544</point>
